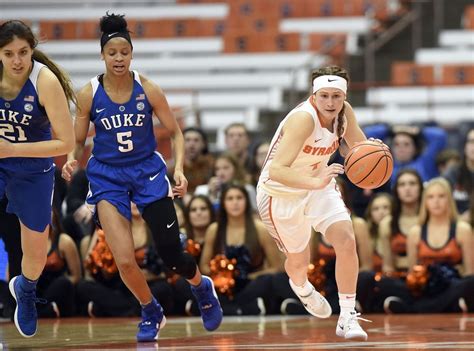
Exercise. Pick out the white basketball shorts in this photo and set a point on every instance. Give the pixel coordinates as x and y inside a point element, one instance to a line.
<point>289,219</point>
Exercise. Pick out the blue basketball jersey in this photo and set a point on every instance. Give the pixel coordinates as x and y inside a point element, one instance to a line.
<point>24,120</point>
<point>124,132</point>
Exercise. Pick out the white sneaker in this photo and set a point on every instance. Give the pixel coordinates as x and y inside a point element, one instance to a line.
<point>348,327</point>
<point>55,307</point>
<point>261,306</point>
<point>90,309</point>
<point>314,303</point>
<point>286,302</point>
<point>463,305</point>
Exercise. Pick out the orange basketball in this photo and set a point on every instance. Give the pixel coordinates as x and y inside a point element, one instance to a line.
<point>369,164</point>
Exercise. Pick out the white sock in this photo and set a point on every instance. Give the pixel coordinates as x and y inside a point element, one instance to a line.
<point>347,303</point>
<point>303,290</point>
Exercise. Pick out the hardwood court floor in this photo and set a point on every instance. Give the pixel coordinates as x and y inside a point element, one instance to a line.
<point>395,332</point>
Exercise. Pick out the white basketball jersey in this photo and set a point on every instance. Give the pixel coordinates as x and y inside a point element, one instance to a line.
<point>314,155</point>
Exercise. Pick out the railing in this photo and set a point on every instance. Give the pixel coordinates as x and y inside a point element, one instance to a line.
<point>412,18</point>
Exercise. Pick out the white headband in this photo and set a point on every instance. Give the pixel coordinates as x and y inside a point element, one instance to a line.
<point>329,81</point>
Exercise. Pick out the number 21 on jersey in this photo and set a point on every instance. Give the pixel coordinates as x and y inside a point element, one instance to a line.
<point>12,133</point>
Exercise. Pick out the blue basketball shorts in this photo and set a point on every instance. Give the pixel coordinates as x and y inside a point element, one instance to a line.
<point>142,183</point>
<point>30,195</point>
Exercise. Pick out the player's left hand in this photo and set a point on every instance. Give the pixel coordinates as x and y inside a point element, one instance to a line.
<point>181,187</point>
<point>7,149</point>
<point>378,141</point>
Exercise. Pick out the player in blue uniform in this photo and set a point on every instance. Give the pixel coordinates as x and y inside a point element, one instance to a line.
<point>34,98</point>
<point>125,167</point>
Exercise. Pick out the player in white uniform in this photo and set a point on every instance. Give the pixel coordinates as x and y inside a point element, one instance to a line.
<point>297,191</point>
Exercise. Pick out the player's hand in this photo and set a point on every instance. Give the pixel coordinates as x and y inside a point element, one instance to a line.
<point>181,187</point>
<point>68,169</point>
<point>330,172</point>
<point>7,149</point>
<point>375,140</point>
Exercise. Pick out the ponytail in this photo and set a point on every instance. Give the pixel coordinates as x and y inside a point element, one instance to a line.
<point>62,76</point>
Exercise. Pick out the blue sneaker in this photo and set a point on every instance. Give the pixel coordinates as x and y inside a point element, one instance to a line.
<point>153,320</point>
<point>26,317</point>
<point>211,311</point>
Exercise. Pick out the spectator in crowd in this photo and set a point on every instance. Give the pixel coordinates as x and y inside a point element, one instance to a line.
<point>439,255</point>
<point>237,141</point>
<point>447,159</point>
<point>238,235</point>
<point>198,162</point>
<point>461,177</point>
<point>380,206</point>
<point>199,215</point>
<point>393,229</point>
<point>259,154</point>
<point>226,169</point>
<point>407,147</point>
<point>369,244</point>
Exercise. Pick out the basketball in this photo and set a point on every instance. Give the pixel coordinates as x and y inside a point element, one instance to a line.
<point>369,164</point>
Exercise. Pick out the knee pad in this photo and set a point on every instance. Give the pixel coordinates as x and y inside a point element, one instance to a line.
<point>161,219</point>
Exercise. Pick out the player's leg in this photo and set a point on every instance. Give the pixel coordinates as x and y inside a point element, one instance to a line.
<point>341,236</point>
<point>153,197</point>
<point>119,238</point>
<point>109,193</point>
<point>29,198</point>
<point>23,287</point>
<point>285,221</point>
<point>161,219</point>
<point>296,266</point>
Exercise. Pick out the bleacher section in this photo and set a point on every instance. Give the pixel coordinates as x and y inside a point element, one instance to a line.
<point>221,61</point>
<point>215,58</point>
<point>438,85</point>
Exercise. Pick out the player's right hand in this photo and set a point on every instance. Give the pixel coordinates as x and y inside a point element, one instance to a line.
<point>68,169</point>
<point>330,172</point>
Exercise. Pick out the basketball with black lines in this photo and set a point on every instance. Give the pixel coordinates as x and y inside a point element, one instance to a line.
<point>369,164</point>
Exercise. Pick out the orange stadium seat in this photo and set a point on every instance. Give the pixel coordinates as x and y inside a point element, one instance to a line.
<point>468,17</point>
<point>57,30</point>
<point>261,42</point>
<point>199,1</point>
<point>210,27</point>
<point>328,44</point>
<point>361,7</point>
<point>457,75</point>
<point>164,28</point>
<point>89,30</point>
<point>409,73</point>
<point>302,8</point>
<point>251,24</point>
<point>254,8</point>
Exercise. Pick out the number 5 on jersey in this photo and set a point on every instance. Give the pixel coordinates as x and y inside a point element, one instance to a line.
<point>125,141</point>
